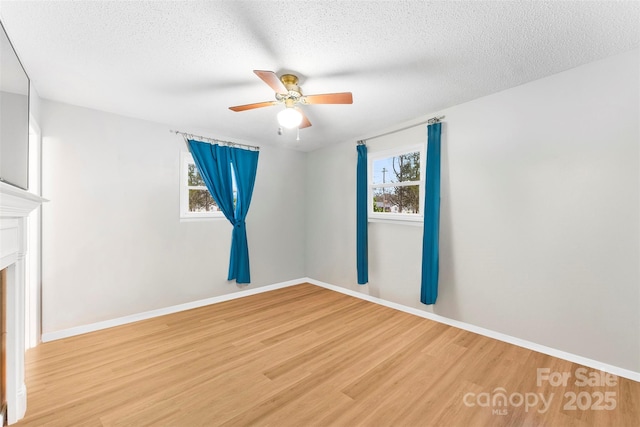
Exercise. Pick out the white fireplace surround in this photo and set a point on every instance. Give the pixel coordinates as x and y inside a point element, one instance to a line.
<point>15,206</point>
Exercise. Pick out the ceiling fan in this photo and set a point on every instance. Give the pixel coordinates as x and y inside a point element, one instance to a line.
<point>289,93</point>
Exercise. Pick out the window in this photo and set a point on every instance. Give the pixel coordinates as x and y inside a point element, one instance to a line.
<point>195,200</point>
<point>396,184</point>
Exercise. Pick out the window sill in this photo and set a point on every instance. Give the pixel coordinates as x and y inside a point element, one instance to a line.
<point>201,218</point>
<point>415,222</point>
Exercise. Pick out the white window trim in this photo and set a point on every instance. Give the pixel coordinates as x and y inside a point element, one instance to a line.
<point>185,159</point>
<point>411,219</point>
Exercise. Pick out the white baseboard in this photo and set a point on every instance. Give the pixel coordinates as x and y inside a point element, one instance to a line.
<point>17,413</point>
<point>626,373</point>
<point>78,330</point>
<point>83,329</point>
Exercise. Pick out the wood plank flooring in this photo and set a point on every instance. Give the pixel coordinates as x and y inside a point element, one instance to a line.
<point>307,356</point>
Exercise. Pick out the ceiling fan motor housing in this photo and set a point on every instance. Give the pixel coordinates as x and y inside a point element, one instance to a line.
<point>290,82</point>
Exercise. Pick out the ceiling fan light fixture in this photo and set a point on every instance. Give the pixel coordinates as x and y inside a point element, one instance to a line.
<point>289,93</point>
<point>289,118</point>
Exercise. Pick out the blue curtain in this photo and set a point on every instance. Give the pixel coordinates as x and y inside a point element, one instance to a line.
<point>245,165</point>
<point>214,162</point>
<point>361,216</point>
<point>429,287</point>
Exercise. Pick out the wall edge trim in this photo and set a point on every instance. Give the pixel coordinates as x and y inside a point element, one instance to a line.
<point>550,351</point>
<point>92,327</point>
<point>590,363</point>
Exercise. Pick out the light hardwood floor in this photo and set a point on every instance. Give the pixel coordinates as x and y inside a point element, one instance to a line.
<point>305,356</point>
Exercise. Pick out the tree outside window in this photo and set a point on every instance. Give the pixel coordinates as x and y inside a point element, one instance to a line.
<point>200,199</point>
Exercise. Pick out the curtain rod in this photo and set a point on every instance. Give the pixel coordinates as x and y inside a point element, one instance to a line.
<point>431,121</point>
<point>206,139</point>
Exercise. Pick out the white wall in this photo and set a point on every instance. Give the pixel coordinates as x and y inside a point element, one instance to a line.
<point>113,244</point>
<point>539,215</point>
<point>33,259</point>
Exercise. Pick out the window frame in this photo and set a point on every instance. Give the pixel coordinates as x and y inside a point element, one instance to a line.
<point>414,219</point>
<point>185,215</point>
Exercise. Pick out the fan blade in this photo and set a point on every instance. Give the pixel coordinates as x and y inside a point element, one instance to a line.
<point>252,106</point>
<point>329,98</point>
<point>270,78</point>
<point>305,123</point>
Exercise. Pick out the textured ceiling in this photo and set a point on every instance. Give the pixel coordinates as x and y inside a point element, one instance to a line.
<point>183,63</point>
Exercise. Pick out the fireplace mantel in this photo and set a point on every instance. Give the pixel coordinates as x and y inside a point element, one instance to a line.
<point>15,206</point>
<point>15,202</point>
